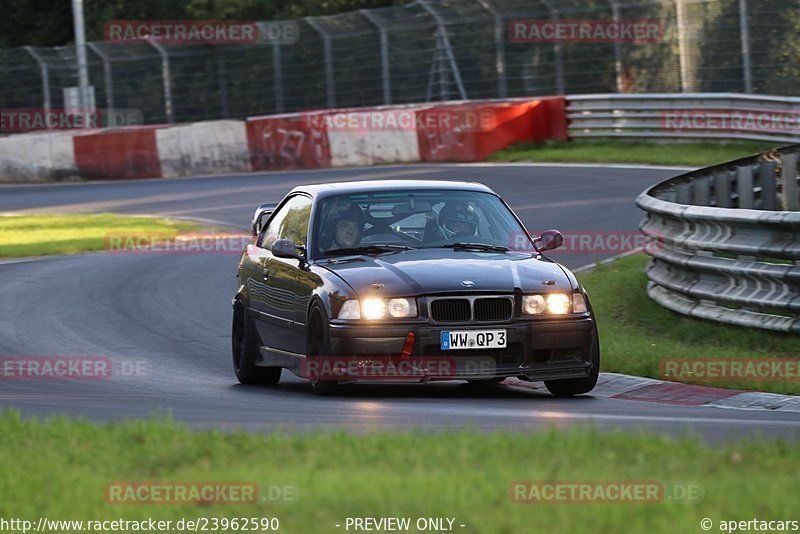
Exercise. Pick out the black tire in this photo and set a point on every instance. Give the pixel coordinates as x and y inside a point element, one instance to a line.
<point>578,386</point>
<point>318,343</point>
<point>244,348</point>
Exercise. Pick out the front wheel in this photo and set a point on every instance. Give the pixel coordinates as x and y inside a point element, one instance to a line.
<point>245,349</point>
<point>578,386</point>
<point>318,345</point>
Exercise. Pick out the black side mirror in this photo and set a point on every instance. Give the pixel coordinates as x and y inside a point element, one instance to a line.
<point>260,216</point>
<point>286,248</point>
<point>548,240</point>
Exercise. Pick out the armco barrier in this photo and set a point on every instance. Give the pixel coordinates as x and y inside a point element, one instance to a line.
<point>310,140</point>
<point>725,242</point>
<point>118,154</point>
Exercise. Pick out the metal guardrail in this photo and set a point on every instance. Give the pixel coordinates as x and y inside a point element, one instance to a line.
<point>725,242</point>
<point>715,116</point>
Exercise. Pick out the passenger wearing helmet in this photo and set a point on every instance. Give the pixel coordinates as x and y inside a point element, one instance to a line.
<point>458,219</point>
<point>347,227</point>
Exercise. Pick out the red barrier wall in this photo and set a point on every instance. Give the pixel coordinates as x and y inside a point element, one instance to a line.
<point>296,141</point>
<point>117,155</point>
<point>479,129</point>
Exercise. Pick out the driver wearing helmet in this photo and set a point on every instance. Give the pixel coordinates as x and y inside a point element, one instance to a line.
<point>347,226</point>
<point>458,219</point>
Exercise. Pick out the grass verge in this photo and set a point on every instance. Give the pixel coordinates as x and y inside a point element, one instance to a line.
<point>637,334</point>
<point>60,469</point>
<point>698,154</point>
<point>39,235</point>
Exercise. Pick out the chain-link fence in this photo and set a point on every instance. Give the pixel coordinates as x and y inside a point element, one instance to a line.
<point>433,50</point>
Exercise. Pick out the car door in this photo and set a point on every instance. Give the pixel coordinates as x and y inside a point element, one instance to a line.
<point>273,290</point>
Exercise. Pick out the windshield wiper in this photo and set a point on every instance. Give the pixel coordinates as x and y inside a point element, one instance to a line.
<point>367,249</point>
<point>476,246</point>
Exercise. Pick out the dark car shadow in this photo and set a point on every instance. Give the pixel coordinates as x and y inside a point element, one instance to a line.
<point>450,389</point>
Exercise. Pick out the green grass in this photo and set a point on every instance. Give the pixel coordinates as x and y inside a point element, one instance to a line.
<point>60,469</point>
<point>39,235</point>
<point>636,334</point>
<point>699,154</point>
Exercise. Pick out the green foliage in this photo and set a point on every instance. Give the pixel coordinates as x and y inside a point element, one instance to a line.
<point>698,154</point>
<point>60,468</point>
<point>48,23</point>
<point>38,235</point>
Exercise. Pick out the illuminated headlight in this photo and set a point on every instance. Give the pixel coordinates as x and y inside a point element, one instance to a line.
<point>533,304</point>
<point>558,303</point>
<point>579,303</point>
<point>350,310</point>
<point>375,308</point>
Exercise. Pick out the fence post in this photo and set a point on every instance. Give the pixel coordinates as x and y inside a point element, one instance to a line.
<point>745,37</point>
<point>688,82</point>
<point>385,72</point>
<point>558,52</point>
<point>617,48</point>
<point>108,81</point>
<point>223,82</point>
<point>499,36</point>
<point>278,77</point>
<point>45,77</point>
<point>330,89</point>
<point>165,77</point>
<point>448,50</point>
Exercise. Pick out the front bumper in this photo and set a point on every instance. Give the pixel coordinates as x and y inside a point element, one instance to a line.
<point>535,350</point>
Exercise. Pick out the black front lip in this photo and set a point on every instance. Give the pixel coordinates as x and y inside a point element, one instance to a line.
<point>545,349</point>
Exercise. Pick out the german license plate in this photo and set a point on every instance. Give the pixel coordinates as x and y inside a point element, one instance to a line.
<point>473,339</point>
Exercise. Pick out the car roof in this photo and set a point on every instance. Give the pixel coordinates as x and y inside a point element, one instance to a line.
<point>372,186</point>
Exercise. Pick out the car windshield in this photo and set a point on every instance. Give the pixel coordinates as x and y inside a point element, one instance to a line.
<point>460,220</point>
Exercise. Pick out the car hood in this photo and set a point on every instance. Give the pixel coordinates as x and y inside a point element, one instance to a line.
<point>428,271</point>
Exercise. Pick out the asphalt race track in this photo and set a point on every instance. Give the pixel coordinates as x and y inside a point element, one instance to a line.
<point>169,315</point>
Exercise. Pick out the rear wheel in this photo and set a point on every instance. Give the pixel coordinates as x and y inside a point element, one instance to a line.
<point>578,386</point>
<point>318,344</point>
<point>245,350</point>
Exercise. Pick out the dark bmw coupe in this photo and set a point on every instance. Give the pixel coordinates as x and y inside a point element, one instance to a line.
<point>407,281</point>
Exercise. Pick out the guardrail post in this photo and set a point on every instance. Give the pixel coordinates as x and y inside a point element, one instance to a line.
<point>744,187</point>
<point>766,179</point>
<point>683,193</point>
<point>702,191</point>
<point>789,179</point>
<point>722,189</point>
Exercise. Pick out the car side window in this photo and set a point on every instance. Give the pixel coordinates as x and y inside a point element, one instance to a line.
<point>289,222</point>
